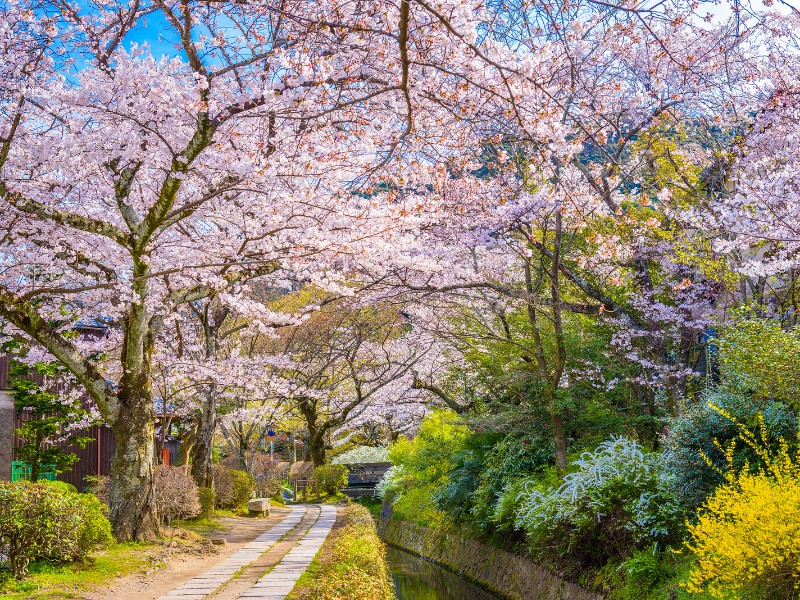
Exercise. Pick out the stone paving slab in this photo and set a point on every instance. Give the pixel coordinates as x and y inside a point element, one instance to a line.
<point>277,584</point>
<point>208,582</point>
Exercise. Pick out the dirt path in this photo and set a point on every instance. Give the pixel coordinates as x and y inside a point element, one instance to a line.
<point>184,565</point>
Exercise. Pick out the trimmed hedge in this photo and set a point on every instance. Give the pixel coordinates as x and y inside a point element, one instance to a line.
<point>43,521</point>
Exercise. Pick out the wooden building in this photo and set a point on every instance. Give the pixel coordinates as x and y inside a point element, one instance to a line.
<point>94,459</point>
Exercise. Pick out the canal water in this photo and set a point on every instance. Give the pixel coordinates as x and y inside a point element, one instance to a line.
<point>418,579</point>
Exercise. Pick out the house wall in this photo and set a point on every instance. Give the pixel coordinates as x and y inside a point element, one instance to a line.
<point>94,459</point>
<point>6,434</point>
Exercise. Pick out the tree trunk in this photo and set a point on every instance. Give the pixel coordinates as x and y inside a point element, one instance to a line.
<point>204,444</point>
<point>316,447</point>
<point>132,511</point>
<point>202,451</point>
<point>241,453</point>
<point>559,441</point>
<point>187,443</point>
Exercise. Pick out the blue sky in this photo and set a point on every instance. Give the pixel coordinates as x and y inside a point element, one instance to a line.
<point>155,31</point>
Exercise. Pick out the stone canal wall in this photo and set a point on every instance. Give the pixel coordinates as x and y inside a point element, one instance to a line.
<point>509,575</point>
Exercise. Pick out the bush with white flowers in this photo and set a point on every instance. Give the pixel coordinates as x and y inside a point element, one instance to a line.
<point>616,499</point>
<point>363,454</point>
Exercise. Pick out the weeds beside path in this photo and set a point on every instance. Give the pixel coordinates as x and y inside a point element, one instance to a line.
<point>351,564</point>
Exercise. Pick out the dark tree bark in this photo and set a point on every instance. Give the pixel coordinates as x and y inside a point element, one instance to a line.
<point>202,450</point>
<point>132,510</point>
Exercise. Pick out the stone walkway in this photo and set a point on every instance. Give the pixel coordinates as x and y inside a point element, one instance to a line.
<point>249,575</point>
<point>276,584</point>
<point>280,580</point>
<point>207,583</point>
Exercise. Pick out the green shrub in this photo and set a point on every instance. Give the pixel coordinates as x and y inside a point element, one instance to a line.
<point>40,521</point>
<point>485,467</point>
<point>62,486</point>
<point>207,498</point>
<point>422,468</point>
<point>456,495</point>
<point>243,486</point>
<point>234,488</point>
<point>331,479</point>
<point>763,356</point>
<point>694,437</point>
<point>637,577</point>
<point>505,511</point>
<point>617,499</point>
<point>96,529</point>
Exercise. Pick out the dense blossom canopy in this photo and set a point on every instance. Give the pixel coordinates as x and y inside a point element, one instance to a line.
<point>454,160</point>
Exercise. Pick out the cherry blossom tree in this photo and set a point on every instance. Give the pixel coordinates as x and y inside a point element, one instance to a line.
<point>585,218</point>
<point>313,142</point>
<point>345,366</point>
<point>754,224</point>
<point>132,184</point>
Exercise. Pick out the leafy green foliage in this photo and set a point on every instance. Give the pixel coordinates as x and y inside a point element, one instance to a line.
<point>331,479</point>
<point>234,488</point>
<point>616,499</point>
<point>62,486</point>
<point>47,419</point>
<point>41,521</point>
<point>422,467</point>
<point>508,461</point>
<point>639,576</point>
<point>482,469</point>
<point>694,445</point>
<point>764,357</point>
<point>207,498</point>
<point>505,510</point>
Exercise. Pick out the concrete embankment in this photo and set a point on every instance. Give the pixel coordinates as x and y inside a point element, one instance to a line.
<point>506,574</point>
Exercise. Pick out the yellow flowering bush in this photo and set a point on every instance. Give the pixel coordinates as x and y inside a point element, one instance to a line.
<point>747,536</point>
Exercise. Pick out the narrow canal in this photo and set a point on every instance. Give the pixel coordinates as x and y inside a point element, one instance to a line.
<point>418,579</point>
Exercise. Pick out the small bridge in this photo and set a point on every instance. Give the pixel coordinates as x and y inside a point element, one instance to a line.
<point>363,478</point>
